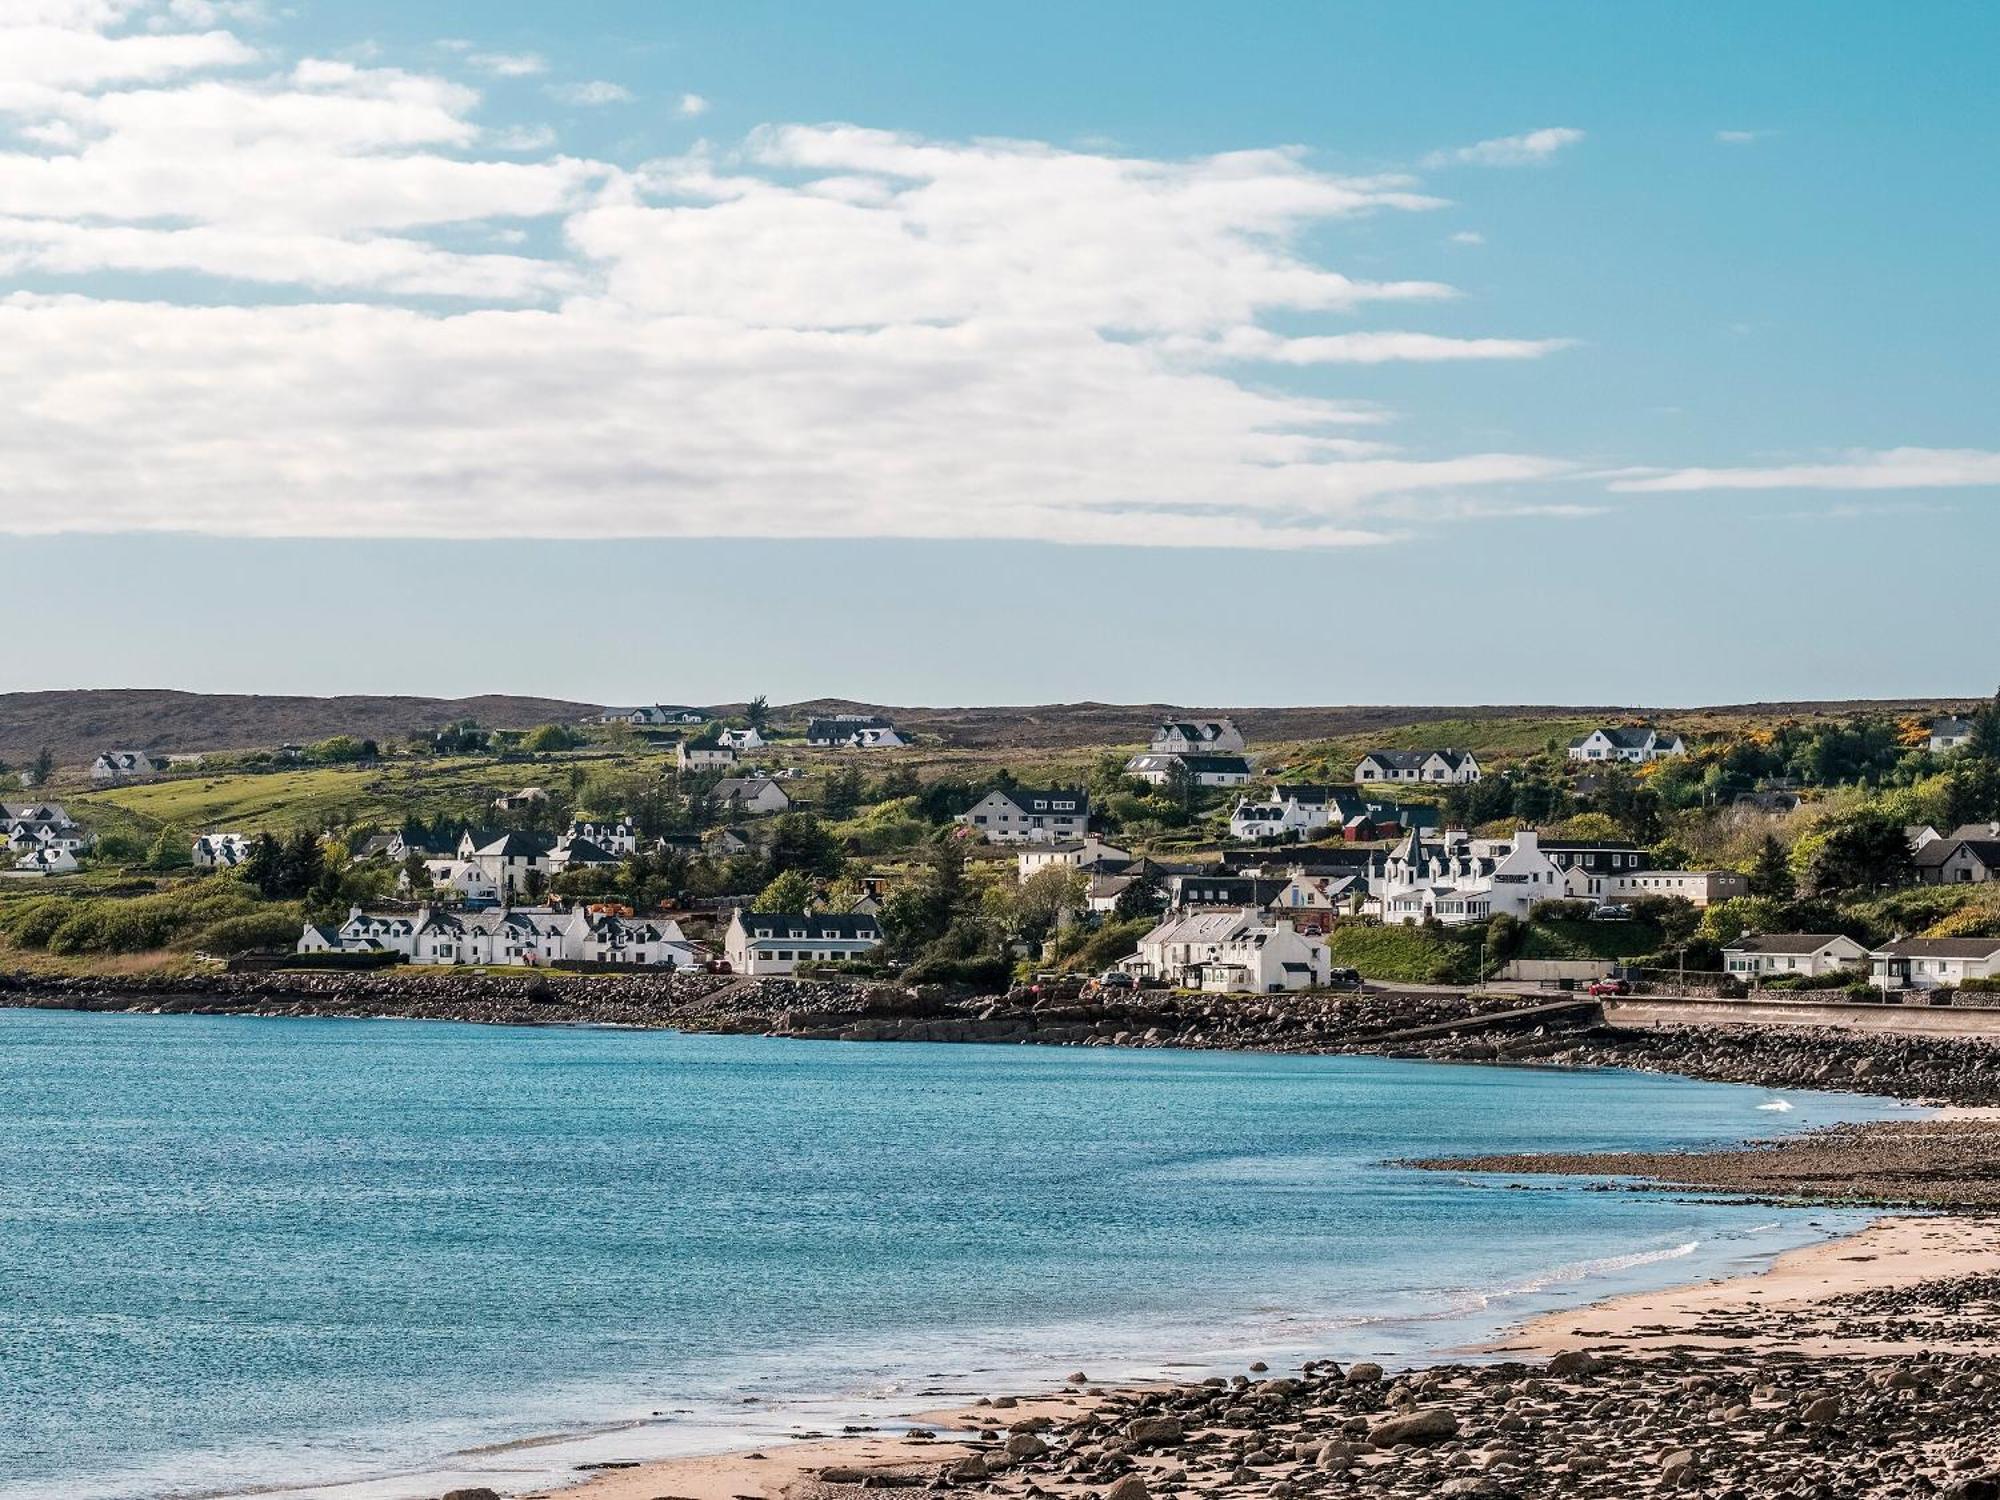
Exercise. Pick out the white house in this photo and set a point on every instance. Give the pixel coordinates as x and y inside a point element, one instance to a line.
<point>1089,853</point>
<point>465,880</point>
<point>124,765</point>
<point>47,861</point>
<point>1230,952</point>
<point>746,738</point>
<point>222,851</point>
<point>506,859</point>
<point>1768,955</point>
<point>655,714</point>
<point>523,936</point>
<point>753,794</point>
<point>1202,770</point>
<point>1961,860</point>
<point>854,732</point>
<point>1933,963</point>
<point>1697,887</point>
<point>1197,737</point>
<point>1027,815</point>
<point>1637,745</point>
<point>778,942</point>
<point>1275,817</point>
<point>613,835</point>
<point>28,826</point>
<point>1455,882</point>
<point>579,854</point>
<point>1950,733</point>
<point>717,757</point>
<point>1425,767</point>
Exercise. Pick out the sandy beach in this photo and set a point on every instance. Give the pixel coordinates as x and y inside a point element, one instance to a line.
<point>1785,1380</point>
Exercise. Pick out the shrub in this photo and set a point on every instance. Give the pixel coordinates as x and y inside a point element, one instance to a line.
<point>277,927</point>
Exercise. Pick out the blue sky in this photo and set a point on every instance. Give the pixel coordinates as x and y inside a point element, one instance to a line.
<point>1317,353</point>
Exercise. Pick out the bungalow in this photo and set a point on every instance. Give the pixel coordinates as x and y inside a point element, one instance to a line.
<point>222,851</point>
<point>1636,744</point>
<point>1810,953</point>
<point>1950,733</point>
<point>727,842</point>
<point>1959,861</point>
<point>1230,952</point>
<point>743,739</point>
<point>1201,770</point>
<point>752,794</point>
<point>521,801</point>
<point>1197,737</point>
<point>1428,767</point>
<point>778,942</point>
<point>655,714</point>
<point>854,732</point>
<point>1026,815</point>
<point>1697,887</point>
<point>709,757</point>
<point>1933,963</point>
<point>124,765</point>
<point>47,860</point>
<point>1072,854</point>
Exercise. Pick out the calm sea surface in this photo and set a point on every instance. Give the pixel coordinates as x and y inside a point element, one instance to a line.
<point>370,1257</point>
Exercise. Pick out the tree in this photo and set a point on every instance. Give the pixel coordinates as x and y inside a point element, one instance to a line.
<point>1866,851</point>
<point>44,767</point>
<point>1985,740</point>
<point>1142,897</point>
<point>790,892</point>
<point>1772,876</point>
<point>546,737</point>
<point>799,841</point>
<point>172,849</point>
<point>842,793</point>
<point>757,714</point>
<point>1044,901</point>
<point>922,909</point>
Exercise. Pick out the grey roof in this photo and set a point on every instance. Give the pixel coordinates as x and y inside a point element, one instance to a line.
<point>1940,851</point>
<point>1951,725</point>
<point>816,925</point>
<point>1941,948</point>
<point>1799,943</point>
<point>1412,760</point>
<point>513,846</point>
<point>584,852</point>
<point>1043,800</point>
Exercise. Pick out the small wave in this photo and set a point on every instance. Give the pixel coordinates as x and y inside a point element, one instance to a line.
<point>1781,1105</point>
<point>1582,1269</point>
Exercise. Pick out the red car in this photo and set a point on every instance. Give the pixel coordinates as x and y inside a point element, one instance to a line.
<point>1609,987</point>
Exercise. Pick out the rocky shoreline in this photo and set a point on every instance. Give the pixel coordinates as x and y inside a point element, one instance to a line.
<point>1428,1025</point>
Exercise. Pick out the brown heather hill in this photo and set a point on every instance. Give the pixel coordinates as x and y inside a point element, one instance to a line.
<point>76,724</point>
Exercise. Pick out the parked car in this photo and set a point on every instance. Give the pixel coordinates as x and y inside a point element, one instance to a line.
<point>1609,987</point>
<point>1116,979</point>
<point>1344,979</point>
<point>1611,912</point>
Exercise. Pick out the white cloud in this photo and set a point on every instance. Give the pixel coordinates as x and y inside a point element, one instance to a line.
<point>508,64</point>
<point>1860,469</point>
<point>1527,150</point>
<point>1468,237</point>
<point>1739,137</point>
<point>822,331</point>
<point>592,94</point>
<point>692,105</point>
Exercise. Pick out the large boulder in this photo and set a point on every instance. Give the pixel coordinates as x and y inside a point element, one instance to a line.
<point>1153,1432</point>
<point>1432,1424</point>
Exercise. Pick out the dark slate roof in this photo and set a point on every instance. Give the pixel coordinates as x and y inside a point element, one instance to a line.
<point>1411,760</point>
<point>514,845</point>
<point>831,925</point>
<point>1952,726</point>
<point>1941,947</point>
<point>1213,765</point>
<point>1938,852</point>
<point>584,852</point>
<point>1043,800</point>
<point>840,729</point>
<point>1783,942</point>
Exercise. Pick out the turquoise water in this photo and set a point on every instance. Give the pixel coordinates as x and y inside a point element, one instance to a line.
<point>243,1252</point>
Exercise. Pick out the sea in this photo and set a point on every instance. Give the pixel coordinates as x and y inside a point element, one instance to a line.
<point>368,1260</point>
